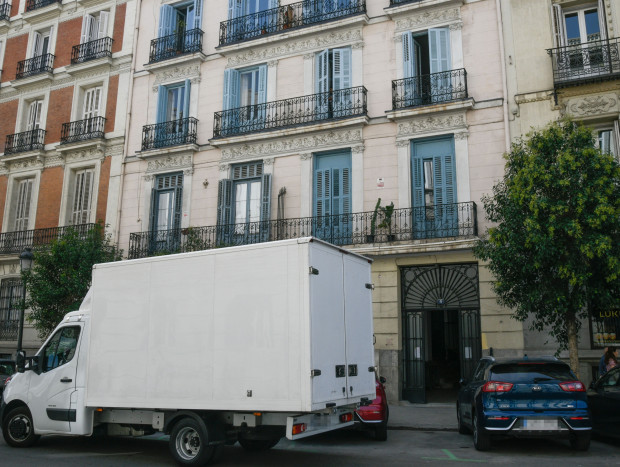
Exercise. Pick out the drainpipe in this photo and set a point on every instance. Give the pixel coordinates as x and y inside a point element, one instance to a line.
<point>128,121</point>
<point>500,29</point>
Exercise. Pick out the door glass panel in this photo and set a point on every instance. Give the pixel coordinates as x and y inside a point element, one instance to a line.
<point>164,210</point>
<point>593,29</point>
<point>573,35</point>
<point>175,103</point>
<point>254,214</point>
<point>249,87</point>
<point>241,193</point>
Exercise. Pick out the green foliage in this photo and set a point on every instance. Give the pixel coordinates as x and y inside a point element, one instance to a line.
<point>554,249</point>
<point>61,274</point>
<point>388,212</point>
<point>373,219</point>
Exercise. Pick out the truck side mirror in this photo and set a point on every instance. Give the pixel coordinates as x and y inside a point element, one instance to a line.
<point>20,361</point>
<point>35,364</point>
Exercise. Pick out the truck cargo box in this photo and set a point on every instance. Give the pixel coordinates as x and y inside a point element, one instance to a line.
<point>279,326</point>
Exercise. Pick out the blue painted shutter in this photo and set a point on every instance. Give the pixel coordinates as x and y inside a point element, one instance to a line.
<point>409,65</point>
<point>265,212</point>
<point>273,4</point>
<point>332,197</point>
<point>186,98</point>
<point>439,49</point>
<point>167,20</point>
<point>322,84</point>
<point>341,81</point>
<point>262,84</point>
<point>231,89</point>
<point>197,15</point>
<point>234,9</point>
<point>224,210</point>
<point>162,98</point>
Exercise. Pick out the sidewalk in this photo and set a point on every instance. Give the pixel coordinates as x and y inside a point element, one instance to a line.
<point>432,417</point>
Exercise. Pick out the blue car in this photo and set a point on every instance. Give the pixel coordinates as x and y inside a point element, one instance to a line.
<point>528,397</point>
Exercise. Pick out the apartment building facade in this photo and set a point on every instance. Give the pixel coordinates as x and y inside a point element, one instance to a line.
<point>568,66</point>
<point>258,120</point>
<point>64,87</point>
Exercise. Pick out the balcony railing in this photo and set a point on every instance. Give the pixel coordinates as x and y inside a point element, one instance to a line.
<point>400,2</point>
<point>5,11</point>
<point>174,45</point>
<point>436,88</point>
<point>34,4</point>
<point>344,103</point>
<point>15,242</point>
<point>8,328</point>
<point>590,61</point>
<point>173,133</point>
<point>26,141</point>
<point>35,65</point>
<point>286,17</point>
<point>456,220</point>
<point>82,130</point>
<point>91,50</point>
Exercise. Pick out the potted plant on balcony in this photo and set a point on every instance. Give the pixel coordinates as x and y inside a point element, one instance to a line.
<point>370,238</point>
<point>386,223</point>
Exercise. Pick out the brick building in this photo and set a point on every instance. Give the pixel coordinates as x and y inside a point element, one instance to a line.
<point>64,86</point>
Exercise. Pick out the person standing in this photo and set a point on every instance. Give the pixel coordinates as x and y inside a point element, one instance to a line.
<point>611,358</point>
<point>601,364</point>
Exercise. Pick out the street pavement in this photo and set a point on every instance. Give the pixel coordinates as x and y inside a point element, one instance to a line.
<point>429,417</point>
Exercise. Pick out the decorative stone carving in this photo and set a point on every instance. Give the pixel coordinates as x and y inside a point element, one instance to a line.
<point>432,123</point>
<point>293,144</point>
<point>358,148</point>
<point>402,143</point>
<point>188,172</point>
<point>268,160</point>
<point>296,47</point>
<point>84,155</point>
<point>148,178</point>
<point>428,18</point>
<point>224,167</point>
<point>272,63</point>
<point>175,74</point>
<point>309,56</point>
<point>169,162</point>
<point>461,135</point>
<point>305,156</point>
<point>593,105</point>
<point>456,26</point>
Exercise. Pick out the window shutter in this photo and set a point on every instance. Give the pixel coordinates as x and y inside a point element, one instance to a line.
<point>186,99</point>
<point>178,206</point>
<point>82,197</point>
<point>439,49</point>
<point>409,56</point>
<point>602,19</point>
<point>102,32</point>
<point>167,20</point>
<point>197,15</point>
<point>273,4</point>
<point>153,223</point>
<point>231,89</point>
<point>341,69</point>
<point>262,84</point>
<point>24,196</point>
<point>322,71</point>
<point>162,95</point>
<point>265,212</point>
<point>322,192</point>
<point>85,34</point>
<point>418,181</point>
<point>92,103</point>
<point>37,44</point>
<point>34,115</point>
<point>559,36</point>
<point>224,201</point>
<point>234,9</point>
<point>616,145</point>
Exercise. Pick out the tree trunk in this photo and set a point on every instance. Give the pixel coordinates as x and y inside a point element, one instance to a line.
<point>573,348</point>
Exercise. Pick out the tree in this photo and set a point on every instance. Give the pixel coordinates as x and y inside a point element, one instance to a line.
<point>554,248</point>
<point>61,274</point>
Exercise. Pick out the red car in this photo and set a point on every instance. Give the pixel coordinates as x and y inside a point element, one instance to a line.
<point>374,416</point>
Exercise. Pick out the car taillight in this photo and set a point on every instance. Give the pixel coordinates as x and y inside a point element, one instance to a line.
<point>299,428</point>
<point>346,417</point>
<point>496,386</point>
<point>573,386</point>
<point>6,381</point>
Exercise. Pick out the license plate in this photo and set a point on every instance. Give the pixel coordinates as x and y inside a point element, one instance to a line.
<point>537,424</point>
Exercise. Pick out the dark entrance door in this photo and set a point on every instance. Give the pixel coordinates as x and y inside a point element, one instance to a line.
<point>441,327</point>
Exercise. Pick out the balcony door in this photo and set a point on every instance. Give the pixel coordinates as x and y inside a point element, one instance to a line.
<point>166,206</point>
<point>94,27</point>
<point>245,93</point>
<point>434,188</point>
<point>172,112</point>
<point>332,198</point>
<point>33,119</point>
<point>22,204</point>
<point>333,83</point>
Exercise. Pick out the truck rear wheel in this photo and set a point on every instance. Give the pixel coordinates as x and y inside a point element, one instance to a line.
<point>189,443</point>
<point>18,428</point>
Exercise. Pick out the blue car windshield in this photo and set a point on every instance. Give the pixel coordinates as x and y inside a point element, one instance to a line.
<point>531,372</point>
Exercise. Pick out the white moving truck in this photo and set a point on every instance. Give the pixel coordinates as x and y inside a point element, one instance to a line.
<point>245,344</point>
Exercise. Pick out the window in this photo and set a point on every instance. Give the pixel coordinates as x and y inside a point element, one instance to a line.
<point>608,139</point>
<point>41,43</point>
<point>332,197</point>
<point>166,207</point>
<point>244,204</point>
<point>575,26</point>
<point>23,203</point>
<point>333,82</point>
<point>605,329</point>
<point>172,114</point>
<point>434,188</point>
<point>244,93</point>
<point>33,115</point>
<point>10,295</point>
<point>60,349</point>
<point>180,18</point>
<point>82,196</point>
<point>94,27</point>
<point>426,59</point>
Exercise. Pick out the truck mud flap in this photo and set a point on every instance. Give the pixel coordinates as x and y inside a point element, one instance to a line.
<point>302,426</point>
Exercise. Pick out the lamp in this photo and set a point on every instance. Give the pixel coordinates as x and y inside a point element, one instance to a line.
<point>25,262</point>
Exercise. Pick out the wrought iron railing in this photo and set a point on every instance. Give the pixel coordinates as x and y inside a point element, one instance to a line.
<point>173,133</point>
<point>82,130</point>
<point>294,15</point>
<point>26,141</point>
<point>400,2</point>
<point>35,65</point>
<point>5,11</point>
<point>91,50</point>
<point>34,4</point>
<point>174,45</point>
<point>15,242</point>
<point>8,329</point>
<point>344,103</point>
<point>436,88</point>
<point>590,61</point>
<point>456,220</point>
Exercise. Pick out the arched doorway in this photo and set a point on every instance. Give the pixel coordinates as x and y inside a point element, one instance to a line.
<point>441,328</point>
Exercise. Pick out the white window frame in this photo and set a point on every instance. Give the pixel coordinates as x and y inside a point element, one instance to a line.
<point>68,184</point>
<point>77,104</point>
<point>23,108</point>
<point>614,127</point>
<point>101,32</point>
<point>8,218</point>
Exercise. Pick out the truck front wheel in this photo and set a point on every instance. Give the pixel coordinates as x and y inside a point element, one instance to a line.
<point>189,443</point>
<point>18,428</point>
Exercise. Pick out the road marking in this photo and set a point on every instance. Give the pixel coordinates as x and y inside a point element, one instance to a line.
<point>452,457</point>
